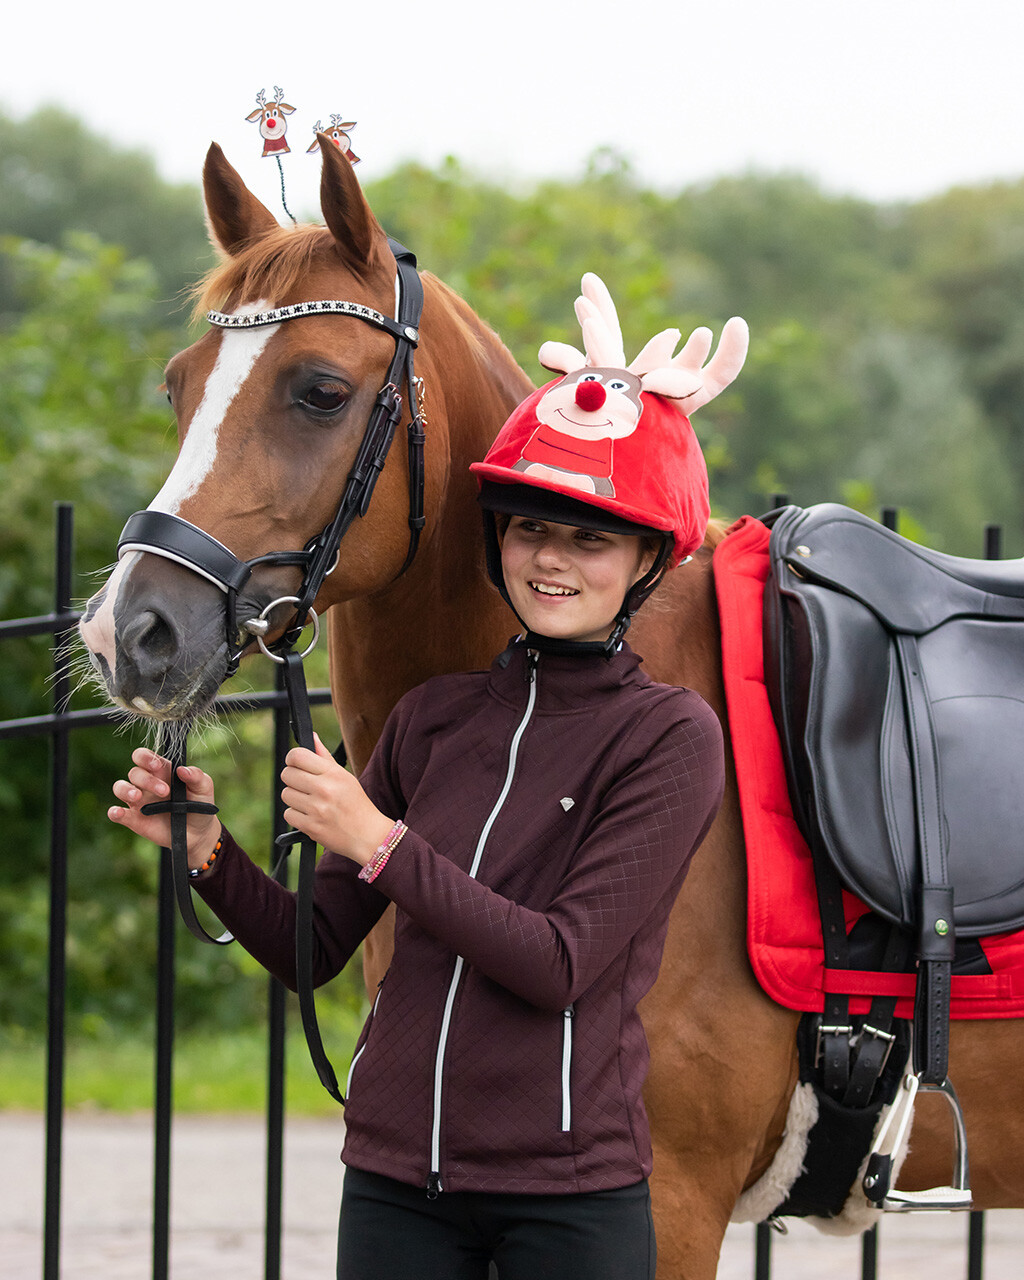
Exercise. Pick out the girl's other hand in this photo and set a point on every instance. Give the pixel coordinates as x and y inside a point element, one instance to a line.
<point>150,780</point>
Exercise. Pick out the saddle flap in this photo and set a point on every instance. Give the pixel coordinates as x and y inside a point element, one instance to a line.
<point>837,671</point>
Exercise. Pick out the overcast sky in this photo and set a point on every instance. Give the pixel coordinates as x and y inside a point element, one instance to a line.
<point>889,99</point>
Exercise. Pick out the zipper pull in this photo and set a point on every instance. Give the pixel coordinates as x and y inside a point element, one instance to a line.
<point>434,1187</point>
<point>532,659</point>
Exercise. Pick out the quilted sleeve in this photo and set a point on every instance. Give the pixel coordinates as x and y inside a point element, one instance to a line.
<point>261,913</point>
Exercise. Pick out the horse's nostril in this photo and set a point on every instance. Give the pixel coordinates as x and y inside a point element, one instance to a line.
<point>150,643</point>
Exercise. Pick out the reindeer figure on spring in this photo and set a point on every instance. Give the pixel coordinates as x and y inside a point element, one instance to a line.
<point>599,401</point>
<point>272,122</point>
<point>338,135</point>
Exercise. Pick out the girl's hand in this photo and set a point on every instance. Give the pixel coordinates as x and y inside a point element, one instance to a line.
<point>150,780</point>
<point>326,803</point>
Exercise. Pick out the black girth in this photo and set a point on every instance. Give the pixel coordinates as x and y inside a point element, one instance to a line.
<point>176,539</point>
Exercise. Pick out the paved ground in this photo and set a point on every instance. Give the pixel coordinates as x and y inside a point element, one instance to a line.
<point>217,1210</point>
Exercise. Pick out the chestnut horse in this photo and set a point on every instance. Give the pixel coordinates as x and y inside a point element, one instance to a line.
<point>269,421</point>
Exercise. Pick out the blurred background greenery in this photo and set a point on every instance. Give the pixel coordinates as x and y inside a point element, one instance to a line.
<point>886,366</point>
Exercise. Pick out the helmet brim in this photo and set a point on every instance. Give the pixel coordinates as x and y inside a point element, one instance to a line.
<point>547,504</point>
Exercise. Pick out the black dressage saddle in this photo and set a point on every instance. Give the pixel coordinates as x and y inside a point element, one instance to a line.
<point>896,676</point>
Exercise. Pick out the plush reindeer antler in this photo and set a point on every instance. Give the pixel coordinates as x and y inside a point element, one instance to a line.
<point>685,377</point>
<point>602,336</point>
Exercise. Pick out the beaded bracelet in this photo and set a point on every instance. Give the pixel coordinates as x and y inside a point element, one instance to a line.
<point>198,871</point>
<point>383,851</point>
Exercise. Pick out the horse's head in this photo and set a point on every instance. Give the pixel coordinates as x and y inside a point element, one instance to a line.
<point>270,419</point>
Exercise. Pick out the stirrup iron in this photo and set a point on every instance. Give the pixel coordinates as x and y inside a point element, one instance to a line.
<point>878,1176</point>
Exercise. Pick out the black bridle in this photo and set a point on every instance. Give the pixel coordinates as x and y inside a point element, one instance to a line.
<point>175,539</point>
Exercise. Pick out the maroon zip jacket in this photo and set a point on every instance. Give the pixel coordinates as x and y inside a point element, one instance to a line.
<point>553,807</point>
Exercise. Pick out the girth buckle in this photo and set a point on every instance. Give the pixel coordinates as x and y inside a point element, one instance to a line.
<point>844,1029</point>
<point>876,1033</point>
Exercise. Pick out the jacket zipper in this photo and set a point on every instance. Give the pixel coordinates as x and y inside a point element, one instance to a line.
<point>434,1187</point>
<point>567,1015</point>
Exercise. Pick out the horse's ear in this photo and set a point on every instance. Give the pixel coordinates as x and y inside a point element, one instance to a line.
<point>233,214</point>
<point>357,233</point>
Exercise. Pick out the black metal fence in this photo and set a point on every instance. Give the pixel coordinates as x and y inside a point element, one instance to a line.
<point>58,724</point>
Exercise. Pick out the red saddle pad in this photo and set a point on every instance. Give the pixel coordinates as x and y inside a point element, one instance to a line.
<point>783,928</point>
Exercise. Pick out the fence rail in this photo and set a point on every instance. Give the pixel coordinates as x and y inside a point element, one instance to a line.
<point>58,725</point>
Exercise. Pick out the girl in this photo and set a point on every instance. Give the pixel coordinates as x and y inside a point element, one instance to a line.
<point>533,825</point>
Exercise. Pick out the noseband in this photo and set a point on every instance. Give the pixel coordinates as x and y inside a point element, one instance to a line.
<point>175,539</point>
<point>186,544</point>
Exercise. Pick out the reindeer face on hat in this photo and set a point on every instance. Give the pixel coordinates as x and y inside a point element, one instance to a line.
<point>592,404</point>
<point>617,436</point>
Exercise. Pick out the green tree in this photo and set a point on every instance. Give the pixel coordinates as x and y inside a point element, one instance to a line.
<point>83,418</point>
<point>885,366</point>
<point>968,254</point>
<point>58,176</point>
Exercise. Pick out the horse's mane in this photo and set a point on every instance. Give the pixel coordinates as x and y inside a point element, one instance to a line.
<point>268,268</point>
<point>717,529</point>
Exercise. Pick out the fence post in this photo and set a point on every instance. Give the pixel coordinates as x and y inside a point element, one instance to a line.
<point>763,1249</point>
<point>57,958</point>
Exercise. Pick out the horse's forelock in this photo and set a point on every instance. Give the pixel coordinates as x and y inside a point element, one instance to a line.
<point>268,268</point>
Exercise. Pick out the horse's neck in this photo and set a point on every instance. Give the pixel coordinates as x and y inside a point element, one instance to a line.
<point>677,635</point>
<point>442,615</point>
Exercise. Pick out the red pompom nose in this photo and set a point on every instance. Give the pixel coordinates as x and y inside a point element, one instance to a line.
<point>590,395</point>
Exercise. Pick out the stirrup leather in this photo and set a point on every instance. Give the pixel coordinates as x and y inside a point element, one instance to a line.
<point>878,1176</point>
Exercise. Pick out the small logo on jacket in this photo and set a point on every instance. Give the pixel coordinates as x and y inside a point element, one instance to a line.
<point>567,803</point>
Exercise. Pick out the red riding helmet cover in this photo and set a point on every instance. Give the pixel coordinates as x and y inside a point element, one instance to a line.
<point>653,476</point>
<point>615,437</point>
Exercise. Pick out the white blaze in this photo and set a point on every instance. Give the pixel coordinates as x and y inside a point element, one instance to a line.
<point>239,351</point>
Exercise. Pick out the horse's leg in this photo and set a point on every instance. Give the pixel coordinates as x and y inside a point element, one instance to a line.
<point>723,1066</point>
<point>378,948</point>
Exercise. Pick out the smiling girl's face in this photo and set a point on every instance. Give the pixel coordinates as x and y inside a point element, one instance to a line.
<point>568,583</point>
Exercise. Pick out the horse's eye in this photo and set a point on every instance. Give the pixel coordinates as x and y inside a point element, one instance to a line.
<point>326,397</point>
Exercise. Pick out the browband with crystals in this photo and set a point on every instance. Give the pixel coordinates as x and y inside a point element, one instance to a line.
<point>325,306</point>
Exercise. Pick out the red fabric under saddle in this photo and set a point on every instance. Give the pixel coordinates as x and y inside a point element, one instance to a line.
<point>783,928</point>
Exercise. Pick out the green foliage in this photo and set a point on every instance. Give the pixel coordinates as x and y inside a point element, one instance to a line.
<point>886,364</point>
<point>968,252</point>
<point>862,365</point>
<point>57,177</point>
<point>214,1070</point>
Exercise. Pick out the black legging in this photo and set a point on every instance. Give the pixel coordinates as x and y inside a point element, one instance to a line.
<point>391,1231</point>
